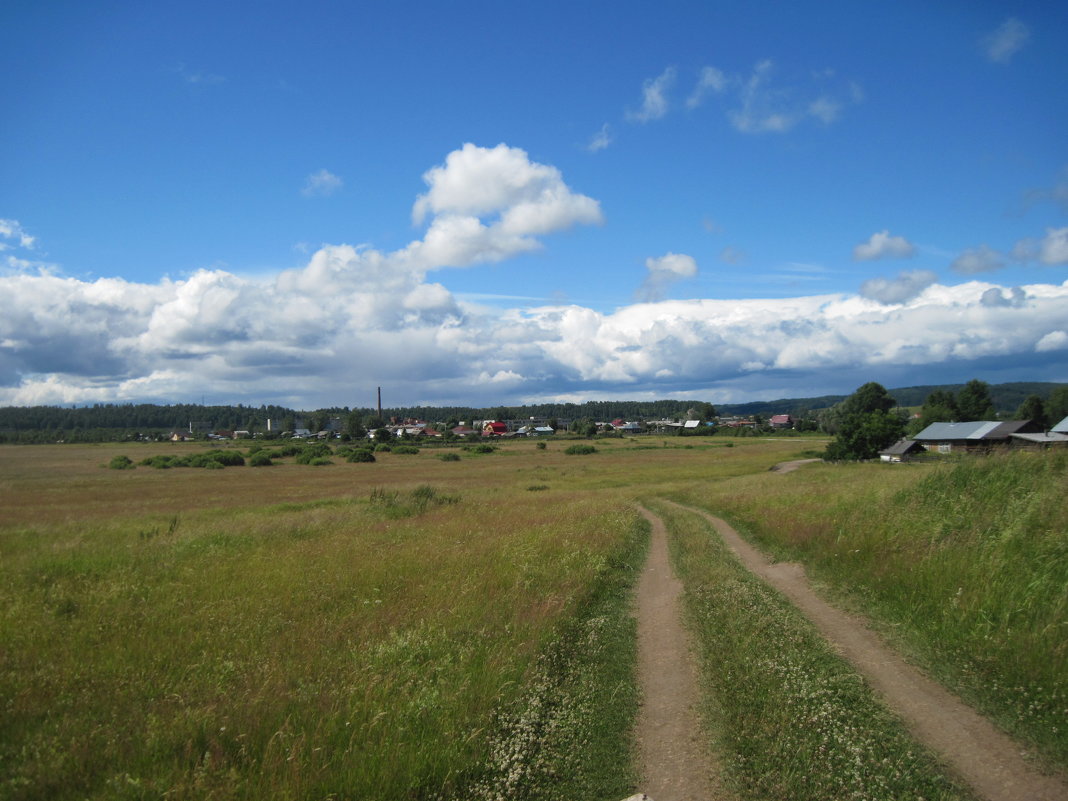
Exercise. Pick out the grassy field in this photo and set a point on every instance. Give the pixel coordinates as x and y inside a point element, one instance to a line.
<point>963,563</point>
<point>416,628</point>
<point>401,629</point>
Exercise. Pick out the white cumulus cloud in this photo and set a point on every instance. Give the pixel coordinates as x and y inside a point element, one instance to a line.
<point>1054,340</point>
<point>353,318</point>
<point>664,271</point>
<point>487,204</point>
<point>881,245</point>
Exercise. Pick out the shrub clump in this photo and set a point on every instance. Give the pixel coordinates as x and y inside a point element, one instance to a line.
<point>310,453</point>
<point>580,450</point>
<point>360,455</point>
<point>449,457</point>
<point>260,459</point>
<point>393,504</point>
<point>213,460</point>
<point>408,450</point>
<point>121,463</point>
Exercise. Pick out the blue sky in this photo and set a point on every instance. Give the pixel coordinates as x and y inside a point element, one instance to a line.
<point>489,203</point>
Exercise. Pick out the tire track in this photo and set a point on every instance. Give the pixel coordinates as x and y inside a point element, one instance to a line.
<point>980,753</point>
<point>675,765</point>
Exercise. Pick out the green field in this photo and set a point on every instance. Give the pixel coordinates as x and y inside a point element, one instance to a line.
<point>419,628</point>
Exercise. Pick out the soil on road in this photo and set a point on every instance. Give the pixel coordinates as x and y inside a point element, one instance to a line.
<point>977,751</point>
<point>674,758</point>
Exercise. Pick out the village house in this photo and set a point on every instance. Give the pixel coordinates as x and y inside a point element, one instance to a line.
<point>901,450</point>
<point>980,436</point>
<point>781,421</point>
<point>494,428</point>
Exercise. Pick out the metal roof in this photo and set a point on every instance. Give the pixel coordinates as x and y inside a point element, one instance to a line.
<point>1047,438</point>
<point>1061,427</point>
<point>977,429</point>
<point>901,447</point>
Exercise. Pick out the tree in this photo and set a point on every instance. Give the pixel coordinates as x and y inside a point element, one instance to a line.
<point>354,426</point>
<point>866,424</point>
<point>870,397</point>
<point>1057,405</point>
<point>1032,409</point>
<point>939,407</point>
<point>974,402</point>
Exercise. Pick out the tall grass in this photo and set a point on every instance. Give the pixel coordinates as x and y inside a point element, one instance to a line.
<point>289,636</point>
<point>964,563</point>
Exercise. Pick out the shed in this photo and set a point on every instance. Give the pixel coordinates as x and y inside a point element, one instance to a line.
<point>900,451</point>
<point>977,435</point>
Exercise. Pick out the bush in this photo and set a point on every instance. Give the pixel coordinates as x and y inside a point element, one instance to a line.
<point>408,450</point>
<point>309,453</point>
<point>229,458</point>
<point>449,457</point>
<point>163,462</point>
<point>360,456</point>
<point>383,448</point>
<point>121,463</point>
<point>319,461</point>
<point>260,459</point>
<point>580,450</point>
<point>540,446</point>
<point>483,448</point>
<point>213,460</point>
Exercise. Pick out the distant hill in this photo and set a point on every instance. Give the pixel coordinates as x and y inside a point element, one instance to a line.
<point>1006,397</point>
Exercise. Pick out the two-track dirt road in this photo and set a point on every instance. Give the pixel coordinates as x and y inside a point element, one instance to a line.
<point>676,762</point>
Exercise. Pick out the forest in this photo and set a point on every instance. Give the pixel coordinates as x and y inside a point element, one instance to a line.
<point>102,422</point>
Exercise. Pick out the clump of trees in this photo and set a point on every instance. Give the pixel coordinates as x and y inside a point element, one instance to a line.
<point>866,422</point>
<point>212,460</point>
<point>974,402</point>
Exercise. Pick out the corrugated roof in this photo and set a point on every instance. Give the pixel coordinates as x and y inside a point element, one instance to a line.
<point>977,429</point>
<point>1046,438</point>
<point>900,448</point>
<point>1061,427</point>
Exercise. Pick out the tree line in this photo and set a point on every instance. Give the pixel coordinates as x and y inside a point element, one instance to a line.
<point>870,419</point>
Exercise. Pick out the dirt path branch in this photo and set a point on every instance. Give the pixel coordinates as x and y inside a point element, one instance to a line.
<point>675,763</point>
<point>981,754</point>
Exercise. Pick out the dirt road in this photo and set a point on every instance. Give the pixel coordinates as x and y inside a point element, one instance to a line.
<point>974,748</point>
<point>675,762</point>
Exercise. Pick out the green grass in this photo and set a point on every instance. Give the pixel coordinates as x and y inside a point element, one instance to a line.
<point>413,628</point>
<point>335,646</point>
